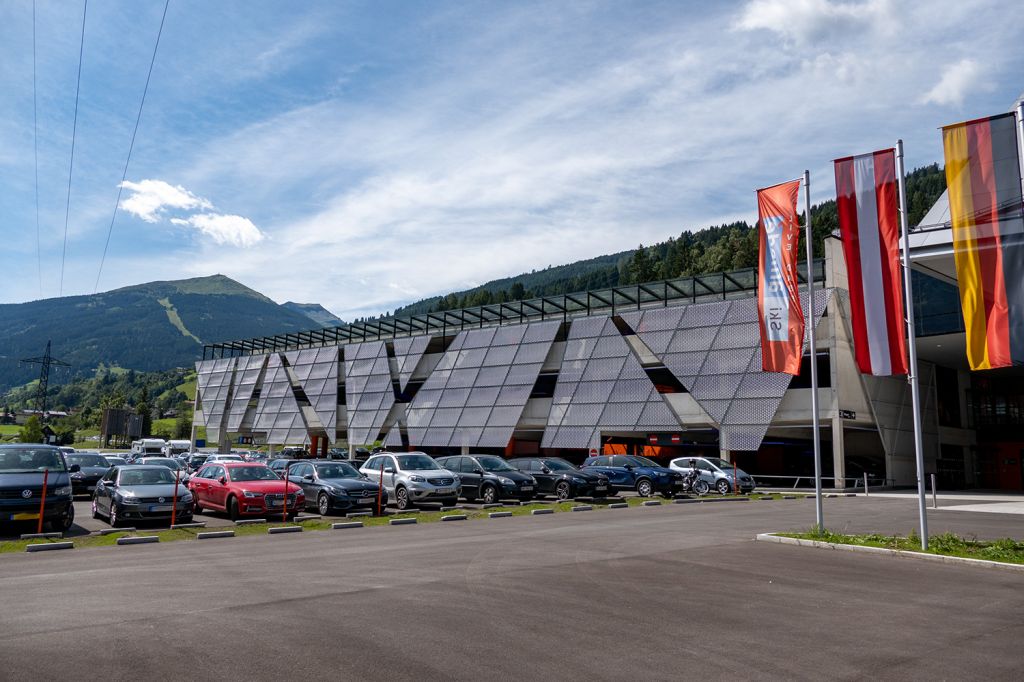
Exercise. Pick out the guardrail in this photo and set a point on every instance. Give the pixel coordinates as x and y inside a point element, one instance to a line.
<point>864,483</point>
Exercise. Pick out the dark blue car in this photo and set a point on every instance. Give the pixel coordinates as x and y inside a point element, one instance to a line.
<point>628,472</point>
<point>23,468</point>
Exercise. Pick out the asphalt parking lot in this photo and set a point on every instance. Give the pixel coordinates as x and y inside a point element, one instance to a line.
<point>661,593</point>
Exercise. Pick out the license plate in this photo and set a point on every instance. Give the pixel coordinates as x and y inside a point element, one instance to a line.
<point>369,501</point>
<point>600,487</point>
<point>274,503</point>
<point>444,491</point>
<point>25,516</point>
<point>160,508</point>
<point>527,487</point>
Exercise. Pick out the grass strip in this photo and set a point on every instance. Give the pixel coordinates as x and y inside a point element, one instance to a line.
<point>1005,550</point>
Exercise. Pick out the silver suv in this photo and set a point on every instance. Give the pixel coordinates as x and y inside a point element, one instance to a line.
<point>413,477</point>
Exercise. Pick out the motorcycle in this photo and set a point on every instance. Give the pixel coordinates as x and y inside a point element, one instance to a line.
<point>692,482</point>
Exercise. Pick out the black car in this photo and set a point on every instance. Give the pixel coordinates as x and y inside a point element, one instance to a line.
<point>142,492</point>
<point>195,462</point>
<point>490,478</point>
<point>555,476</point>
<point>278,465</point>
<point>336,486</point>
<point>23,468</point>
<point>91,467</point>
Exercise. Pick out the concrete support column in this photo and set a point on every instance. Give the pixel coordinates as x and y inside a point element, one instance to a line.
<point>725,454</point>
<point>195,434</point>
<point>314,445</point>
<point>270,451</point>
<point>351,451</point>
<point>464,450</point>
<point>838,451</point>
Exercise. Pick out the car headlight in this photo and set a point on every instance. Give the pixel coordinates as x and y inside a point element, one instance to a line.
<point>250,494</point>
<point>66,490</point>
<point>578,479</point>
<point>129,499</point>
<point>339,491</point>
<point>77,476</point>
<point>187,497</point>
<point>417,479</point>
<point>505,481</point>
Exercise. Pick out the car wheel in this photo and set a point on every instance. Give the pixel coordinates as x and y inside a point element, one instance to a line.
<point>233,509</point>
<point>723,486</point>
<point>196,509</point>
<point>563,490</point>
<point>323,504</point>
<point>644,488</point>
<point>95,510</point>
<point>68,520</point>
<point>489,494</point>
<point>112,518</point>
<point>401,498</point>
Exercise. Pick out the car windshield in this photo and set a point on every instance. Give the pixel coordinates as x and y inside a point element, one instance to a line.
<point>146,476</point>
<point>416,462</point>
<point>337,470</point>
<point>87,460</point>
<point>111,461</point>
<point>494,464</point>
<point>641,462</point>
<point>164,462</point>
<point>558,465</point>
<point>29,459</point>
<point>260,473</point>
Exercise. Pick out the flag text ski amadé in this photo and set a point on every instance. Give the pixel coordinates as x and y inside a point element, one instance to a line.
<point>778,299</point>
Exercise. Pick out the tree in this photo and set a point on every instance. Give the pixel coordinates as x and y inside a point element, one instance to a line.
<point>183,424</point>
<point>143,409</point>
<point>31,431</point>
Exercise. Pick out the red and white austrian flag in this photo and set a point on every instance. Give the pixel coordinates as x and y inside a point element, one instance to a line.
<point>869,225</point>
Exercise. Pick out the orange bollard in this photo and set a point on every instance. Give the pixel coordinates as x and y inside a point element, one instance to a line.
<point>284,502</point>
<point>42,501</point>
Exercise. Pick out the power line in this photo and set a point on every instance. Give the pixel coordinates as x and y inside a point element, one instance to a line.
<point>71,166</point>
<point>35,142</point>
<point>131,146</point>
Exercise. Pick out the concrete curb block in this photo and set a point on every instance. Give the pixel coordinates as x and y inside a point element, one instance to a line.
<point>40,536</point>
<point>651,503</point>
<point>726,499</point>
<point>401,522</point>
<point>215,534</point>
<point>274,530</point>
<point>249,522</point>
<point>583,499</point>
<point>538,512</point>
<point>902,554</point>
<point>139,540</point>
<point>354,515</point>
<point>197,524</point>
<point>454,517</point>
<point>619,505</point>
<point>109,531</point>
<point>498,515</point>
<point>344,526</point>
<point>448,509</point>
<point>310,517</point>
<point>789,497</point>
<point>491,505</point>
<point>766,499</point>
<point>686,500</point>
<point>851,494</point>
<point>583,507</point>
<point>47,546</point>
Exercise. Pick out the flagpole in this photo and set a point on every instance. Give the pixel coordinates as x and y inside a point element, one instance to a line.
<point>819,515</point>
<point>915,384</point>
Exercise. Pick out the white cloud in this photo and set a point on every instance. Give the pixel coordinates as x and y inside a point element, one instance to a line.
<point>811,20</point>
<point>150,199</point>
<point>233,230</point>
<point>957,80</point>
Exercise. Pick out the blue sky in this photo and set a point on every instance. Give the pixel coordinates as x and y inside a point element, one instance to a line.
<point>364,155</point>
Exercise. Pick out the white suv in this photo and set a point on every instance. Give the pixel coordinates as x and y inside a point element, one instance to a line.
<point>412,477</point>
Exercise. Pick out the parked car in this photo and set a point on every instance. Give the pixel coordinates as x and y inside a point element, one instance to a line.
<point>279,465</point>
<point>244,489</point>
<point>335,486</point>
<point>629,472</point>
<point>195,461</point>
<point>555,476</point>
<point>22,470</point>
<point>717,472</point>
<point>91,467</point>
<point>224,458</point>
<point>114,460</point>
<point>140,492</point>
<point>413,477</point>
<point>490,478</point>
<point>295,452</point>
<point>169,462</point>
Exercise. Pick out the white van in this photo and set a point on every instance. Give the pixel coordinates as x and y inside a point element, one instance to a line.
<point>148,447</point>
<point>173,448</point>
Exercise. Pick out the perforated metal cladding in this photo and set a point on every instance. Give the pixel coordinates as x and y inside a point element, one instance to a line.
<point>408,353</point>
<point>601,385</point>
<point>317,372</point>
<point>277,412</point>
<point>369,394</point>
<point>480,387</point>
<point>247,374</point>
<point>716,354</point>
<point>215,391</point>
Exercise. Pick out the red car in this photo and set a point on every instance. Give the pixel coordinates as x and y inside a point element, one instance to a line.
<point>244,489</point>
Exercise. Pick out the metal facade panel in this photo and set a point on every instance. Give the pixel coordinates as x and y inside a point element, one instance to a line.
<point>277,412</point>
<point>370,396</point>
<point>317,372</point>
<point>408,353</point>
<point>247,378</point>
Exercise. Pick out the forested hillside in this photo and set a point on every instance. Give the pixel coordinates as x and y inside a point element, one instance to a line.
<point>711,249</point>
